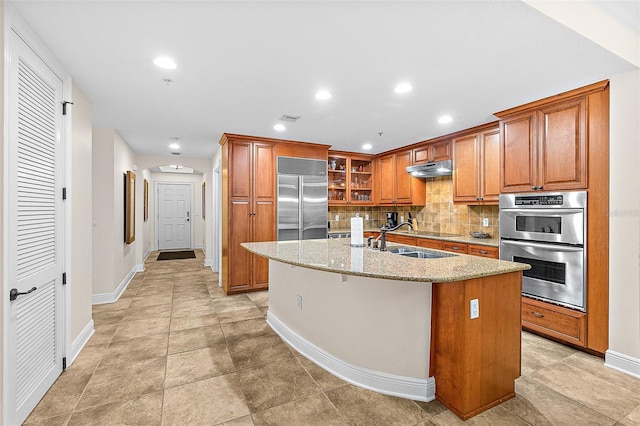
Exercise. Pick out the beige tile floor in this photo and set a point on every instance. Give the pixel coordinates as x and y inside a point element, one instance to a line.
<point>173,350</point>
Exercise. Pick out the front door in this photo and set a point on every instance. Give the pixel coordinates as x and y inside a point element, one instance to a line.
<point>34,240</point>
<point>174,216</point>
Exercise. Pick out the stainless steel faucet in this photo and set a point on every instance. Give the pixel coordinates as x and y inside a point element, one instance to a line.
<point>382,238</point>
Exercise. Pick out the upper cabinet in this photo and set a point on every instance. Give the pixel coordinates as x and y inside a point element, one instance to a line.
<point>434,151</point>
<point>545,147</point>
<point>476,162</point>
<point>350,178</point>
<point>395,185</point>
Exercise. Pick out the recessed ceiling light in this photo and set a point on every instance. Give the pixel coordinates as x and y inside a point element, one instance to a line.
<point>174,146</point>
<point>165,63</point>
<point>323,95</point>
<point>445,119</point>
<point>279,127</point>
<point>367,146</point>
<point>403,88</point>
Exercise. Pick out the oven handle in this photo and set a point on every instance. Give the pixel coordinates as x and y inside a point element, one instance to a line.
<point>555,247</point>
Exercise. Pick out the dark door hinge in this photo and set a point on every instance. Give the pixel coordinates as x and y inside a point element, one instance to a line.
<point>64,363</point>
<point>64,278</point>
<point>64,106</point>
<point>64,193</point>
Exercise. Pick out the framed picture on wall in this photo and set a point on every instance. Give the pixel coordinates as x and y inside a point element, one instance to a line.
<point>129,207</point>
<point>146,200</point>
<point>203,198</point>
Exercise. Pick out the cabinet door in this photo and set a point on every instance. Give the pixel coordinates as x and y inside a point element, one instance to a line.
<point>239,273</point>
<point>386,172</point>
<point>518,153</point>
<point>264,172</point>
<point>466,174</point>
<point>441,151</point>
<point>562,157</point>
<point>490,167</point>
<point>240,170</point>
<point>402,178</point>
<point>264,229</point>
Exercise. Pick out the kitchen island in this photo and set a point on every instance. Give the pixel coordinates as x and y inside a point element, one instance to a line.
<point>399,325</point>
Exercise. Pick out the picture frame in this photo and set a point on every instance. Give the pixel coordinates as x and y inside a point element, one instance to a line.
<point>146,200</point>
<point>129,207</point>
<point>204,191</point>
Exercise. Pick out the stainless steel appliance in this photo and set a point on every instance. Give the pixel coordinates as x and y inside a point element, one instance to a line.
<point>432,169</point>
<point>392,219</point>
<point>302,199</point>
<point>547,231</point>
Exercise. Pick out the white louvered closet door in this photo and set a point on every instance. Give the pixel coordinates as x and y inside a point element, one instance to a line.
<point>34,214</point>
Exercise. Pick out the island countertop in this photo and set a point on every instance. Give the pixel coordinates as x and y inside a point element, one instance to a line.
<point>336,255</point>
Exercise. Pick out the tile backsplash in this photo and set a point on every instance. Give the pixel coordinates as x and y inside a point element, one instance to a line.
<point>438,215</point>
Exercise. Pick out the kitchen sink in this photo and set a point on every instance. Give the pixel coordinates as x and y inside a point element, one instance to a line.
<point>418,253</point>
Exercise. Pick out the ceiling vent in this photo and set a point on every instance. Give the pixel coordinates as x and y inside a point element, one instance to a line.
<point>175,153</point>
<point>289,118</point>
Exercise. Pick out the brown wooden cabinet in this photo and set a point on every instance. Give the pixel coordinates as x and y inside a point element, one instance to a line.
<point>555,321</point>
<point>483,251</point>
<point>251,213</point>
<point>545,148</point>
<point>476,162</point>
<point>434,151</point>
<point>350,178</point>
<point>395,185</point>
<point>249,204</point>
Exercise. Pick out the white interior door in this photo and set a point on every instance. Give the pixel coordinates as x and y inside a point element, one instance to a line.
<point>34,219</point>
<point>174,216</point>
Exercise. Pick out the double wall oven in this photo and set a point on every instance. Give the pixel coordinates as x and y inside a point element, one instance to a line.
<point>547,231</point>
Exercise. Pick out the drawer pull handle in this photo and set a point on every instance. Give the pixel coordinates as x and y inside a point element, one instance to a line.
<point>483,252</point>
<point>455,248</point>
<point>537,314</point>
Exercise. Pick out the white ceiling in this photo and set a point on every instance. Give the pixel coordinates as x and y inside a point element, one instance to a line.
<point>241,65</point>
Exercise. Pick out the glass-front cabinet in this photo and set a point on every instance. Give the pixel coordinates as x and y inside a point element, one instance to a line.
<point>350,178</point>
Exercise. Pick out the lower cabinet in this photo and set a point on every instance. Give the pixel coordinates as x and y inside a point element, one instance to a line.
<point>555,321</point>
<point>455,247</point>
<point>484,251</point>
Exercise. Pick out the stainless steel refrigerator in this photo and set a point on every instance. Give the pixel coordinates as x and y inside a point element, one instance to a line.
<point>302,199</point>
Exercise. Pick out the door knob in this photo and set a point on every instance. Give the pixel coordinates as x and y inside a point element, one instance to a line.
<point>14,293</point>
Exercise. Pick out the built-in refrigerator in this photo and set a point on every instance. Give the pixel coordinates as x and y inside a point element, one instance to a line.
<point>302,199</point>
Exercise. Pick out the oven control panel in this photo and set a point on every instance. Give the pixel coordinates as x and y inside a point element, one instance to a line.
<point>539,200</point>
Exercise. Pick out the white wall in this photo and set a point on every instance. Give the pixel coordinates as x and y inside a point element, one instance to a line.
<point>624,250</point>
<point>124,160</point>
<point>79,273</point>
<point>103,211</point>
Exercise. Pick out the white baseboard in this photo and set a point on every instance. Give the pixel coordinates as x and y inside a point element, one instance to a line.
<point>201,247</point>
<point>79,342</point>
<point>147,253</point>
<point>623,363</point>
<point>388,384</point>
<point>102,298</point>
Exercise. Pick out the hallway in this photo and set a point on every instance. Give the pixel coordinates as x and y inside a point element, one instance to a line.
<point>174,350</point>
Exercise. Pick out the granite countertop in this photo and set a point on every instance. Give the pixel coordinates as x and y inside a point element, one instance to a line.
<point>336,255</point>
<point>467,239</point>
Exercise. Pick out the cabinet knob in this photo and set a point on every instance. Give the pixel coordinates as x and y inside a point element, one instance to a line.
<point>533,187</point>
<point>539,187</point>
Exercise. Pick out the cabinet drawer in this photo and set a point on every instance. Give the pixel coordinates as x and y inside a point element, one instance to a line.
<point>484,251</point>
<point>555,321</point>
<point>455,247</point>
<point>402,239</point>
<point>424,242</point>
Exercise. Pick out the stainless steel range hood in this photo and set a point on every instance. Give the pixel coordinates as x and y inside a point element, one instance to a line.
<point>432,169</point>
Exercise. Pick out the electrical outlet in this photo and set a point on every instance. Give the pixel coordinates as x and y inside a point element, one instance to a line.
<point>485,221</point>
<point>475,309</point>
<point>337,218</point>
<point>299,302</point>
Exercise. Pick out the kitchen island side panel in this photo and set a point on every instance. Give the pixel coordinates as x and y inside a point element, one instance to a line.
<point>377,324</point>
